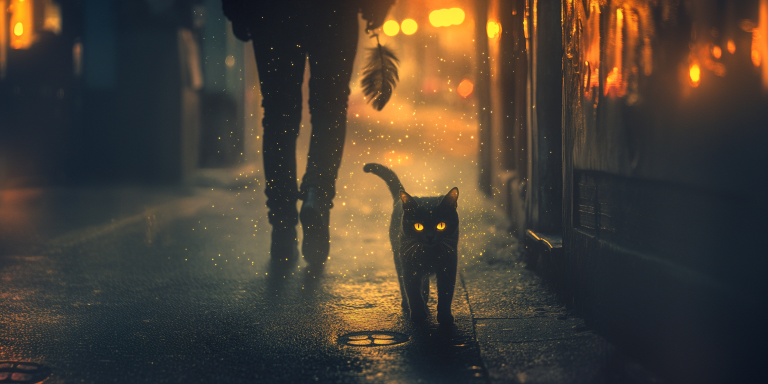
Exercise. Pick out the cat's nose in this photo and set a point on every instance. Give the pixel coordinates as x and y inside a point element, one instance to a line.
<point>429,236</point>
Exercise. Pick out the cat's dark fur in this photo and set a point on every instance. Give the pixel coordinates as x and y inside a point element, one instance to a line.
<point>420,253</point>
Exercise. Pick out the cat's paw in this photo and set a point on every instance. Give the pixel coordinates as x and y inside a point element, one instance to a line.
<point>445,319</point>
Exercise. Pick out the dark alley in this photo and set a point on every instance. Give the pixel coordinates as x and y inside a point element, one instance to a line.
<point>608,157</point>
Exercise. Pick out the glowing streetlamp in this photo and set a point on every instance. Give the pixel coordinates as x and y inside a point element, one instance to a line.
<point>446,17</point>
<point>493,29</point>
<point>409,26</point>
<point>391,28</point>
<point>695,73</point>
<point>21,24</point>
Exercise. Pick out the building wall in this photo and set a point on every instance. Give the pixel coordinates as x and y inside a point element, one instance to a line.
<point>663,180</point>
<point>643,123</point>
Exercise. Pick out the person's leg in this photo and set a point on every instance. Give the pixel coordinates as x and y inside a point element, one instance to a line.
<point>280,66</point>
<point>331,56</point>
<point>331,46</point>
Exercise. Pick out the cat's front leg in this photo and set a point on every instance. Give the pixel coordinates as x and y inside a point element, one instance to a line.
<point>446,283</point>
<point>418,309</point>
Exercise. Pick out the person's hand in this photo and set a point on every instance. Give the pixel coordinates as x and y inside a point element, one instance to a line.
<point>374,21</point>
<point>241,31</point>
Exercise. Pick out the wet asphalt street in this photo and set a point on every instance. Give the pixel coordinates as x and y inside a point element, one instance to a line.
<point>175,285</point>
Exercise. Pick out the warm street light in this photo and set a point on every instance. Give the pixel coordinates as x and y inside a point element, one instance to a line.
<point>409,26</point>
<point>493,29</point>
<point>446,17</point>
<point>695,74</point>
<point>21,20</point>
<point>391,28</point>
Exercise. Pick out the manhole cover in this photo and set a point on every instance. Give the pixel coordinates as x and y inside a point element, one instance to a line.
<point>372,338</point>
<point>20,372</point>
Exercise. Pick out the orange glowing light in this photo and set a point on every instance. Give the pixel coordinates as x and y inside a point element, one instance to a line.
<point>465,88</point>
<point>756,57</point>
<point>494,29</point>
<point>717,52</point>
<point>4,31</point>
<point>409,26</point>
<point>391,28</point>
<point>446,17</point>
<point>613,83</point>
<point>22,22</point>
<point>695,73</point>
<point>731,46</point>
<point>761,34</point>
<point>592,49</point>
<point>613,80</point>
<point>619,38</point>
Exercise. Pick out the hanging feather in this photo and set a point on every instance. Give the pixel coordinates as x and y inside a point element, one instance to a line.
<point>380,75</point>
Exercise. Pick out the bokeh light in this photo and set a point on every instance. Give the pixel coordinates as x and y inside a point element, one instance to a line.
<point>695,73</point>
<point>409,26</point>
<point>391,28</point>
<point>731,46</point>
<point>18,29</point>
<point>717,52</point>
<point>465,88</point>
<point>494,29</point>
<point>446,17</point>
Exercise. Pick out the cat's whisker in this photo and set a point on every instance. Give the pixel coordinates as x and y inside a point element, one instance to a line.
<point>448,246</point>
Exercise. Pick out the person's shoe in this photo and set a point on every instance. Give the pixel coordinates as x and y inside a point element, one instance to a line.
<point>284,244</point>
<point>315,218</point>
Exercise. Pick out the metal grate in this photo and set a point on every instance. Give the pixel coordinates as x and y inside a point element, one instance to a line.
<point>372,339</point>
<point>22,372</point>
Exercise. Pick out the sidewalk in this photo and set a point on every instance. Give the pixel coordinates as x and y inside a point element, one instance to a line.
<point>150,285</point>
<point>165,285</point>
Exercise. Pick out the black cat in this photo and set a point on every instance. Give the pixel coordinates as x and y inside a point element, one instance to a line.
<point>425,234</point>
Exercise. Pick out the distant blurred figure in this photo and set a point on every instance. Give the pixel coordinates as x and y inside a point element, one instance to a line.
<point>284,34</point>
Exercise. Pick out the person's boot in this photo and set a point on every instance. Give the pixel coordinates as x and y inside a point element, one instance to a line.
<point>284,244</point>
<point>315,218</point>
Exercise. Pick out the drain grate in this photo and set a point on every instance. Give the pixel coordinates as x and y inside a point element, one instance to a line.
<point>372,338</point>
<point>22,372</point>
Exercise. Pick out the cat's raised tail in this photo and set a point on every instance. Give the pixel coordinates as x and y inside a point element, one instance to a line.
<point>385,173</point>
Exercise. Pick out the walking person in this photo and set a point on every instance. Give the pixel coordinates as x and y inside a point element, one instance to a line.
<point>285,33</point>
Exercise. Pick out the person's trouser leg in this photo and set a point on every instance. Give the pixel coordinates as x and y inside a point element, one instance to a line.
<point>332,47</point>
<point>281,71</point>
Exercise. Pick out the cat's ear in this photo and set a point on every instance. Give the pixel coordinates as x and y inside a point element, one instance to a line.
<point>452,198</point>
<point>408,201</point>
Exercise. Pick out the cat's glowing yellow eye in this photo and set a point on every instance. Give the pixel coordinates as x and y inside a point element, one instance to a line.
<point>440,226</point>
<point>418,226</point>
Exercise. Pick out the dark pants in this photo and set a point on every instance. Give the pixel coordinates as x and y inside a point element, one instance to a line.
<point>282,44</point>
